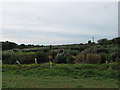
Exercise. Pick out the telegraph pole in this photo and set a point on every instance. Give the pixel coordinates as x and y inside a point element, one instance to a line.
<point>93,39</point>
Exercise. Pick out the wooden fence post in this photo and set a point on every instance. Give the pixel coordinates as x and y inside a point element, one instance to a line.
<point>18,62</point>
<point>35,61</point>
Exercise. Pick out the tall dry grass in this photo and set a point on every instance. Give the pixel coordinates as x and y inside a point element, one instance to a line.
<point>93,58</point>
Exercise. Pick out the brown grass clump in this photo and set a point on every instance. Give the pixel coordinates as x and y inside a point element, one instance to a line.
<point>93,58</point>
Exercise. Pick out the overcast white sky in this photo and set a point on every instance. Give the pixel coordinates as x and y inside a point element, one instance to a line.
<point>58,22</point>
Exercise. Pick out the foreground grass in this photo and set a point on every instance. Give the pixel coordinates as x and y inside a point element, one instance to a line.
<point>19,81</point>
<point>61,76</point>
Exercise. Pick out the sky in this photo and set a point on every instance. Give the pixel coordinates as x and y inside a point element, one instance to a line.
<point>53,23</point>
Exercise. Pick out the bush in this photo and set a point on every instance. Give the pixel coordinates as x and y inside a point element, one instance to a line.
<point>80,58</point>
<point>42,57</point>
<point>90,50</point>
<point>108,57</point>
<point>73,52</point>
<point>60,58</point>
<point>102,50</point>
<point>5,57</point>
<point>113,56</point>
<point>22,57</point>
<point>93,58</point>
<point>9,57</point>
<point>53,53</point>
<point>104,41</point>
<point>104,57</point>
<point>70,59</point>
<point>27,58</point>
<point>64,58</point>
<point>116,41</point>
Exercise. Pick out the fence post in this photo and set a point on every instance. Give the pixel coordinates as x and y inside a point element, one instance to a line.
<point>18,62</point>
<point>35,61</point>
<point>50,64</point>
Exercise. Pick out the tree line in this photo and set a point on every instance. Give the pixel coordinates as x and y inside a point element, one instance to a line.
<point>91,52</point>
<point>12,45</point>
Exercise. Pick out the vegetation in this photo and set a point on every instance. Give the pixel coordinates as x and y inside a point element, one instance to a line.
<point>18,81</point>
<point>77,75</point>
<point>91,53</point>
<point>85,70</point>
<point>74,66</point>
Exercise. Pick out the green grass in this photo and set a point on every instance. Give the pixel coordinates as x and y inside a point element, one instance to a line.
<point>19,81</point>
<point>70,70</point>
<point>60,76</point>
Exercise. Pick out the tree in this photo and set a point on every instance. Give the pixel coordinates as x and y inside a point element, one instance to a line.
<point>21,46</point>
<point>116,40</point>
<point>89,42</point>
<point>104,41</point>
<point>9,45</point>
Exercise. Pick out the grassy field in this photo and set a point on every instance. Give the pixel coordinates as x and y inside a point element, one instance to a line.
<point>60,76</point>
<point>18,81</point>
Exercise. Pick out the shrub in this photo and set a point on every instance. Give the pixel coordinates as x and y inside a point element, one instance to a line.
<point>60,58</point>
<point>104,41</point>
<point>42,57</point>
<point>93,58</point>
<point>5,57</point>
<point>53,53</point>
<point>116,40</point>
<point>9,57</point>
<point>90,50</point>
<point>102,50</point>
<point>70,59</point>
<point>27,58</point>
<point>80,58</point>
<point>46,50</point>
<point>106,57</point>
<point>73,52</point>
<point>113,56</point>
<point>64,58</point>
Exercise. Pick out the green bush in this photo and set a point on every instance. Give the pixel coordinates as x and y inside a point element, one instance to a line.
<point>70,59</point>
<point>27,58</point>
<point>5,57</point>
<point>90,50</point>
<point>60,58</point>
<point>22,57</point>
<point>102,50</point>
<point>80,58</point>
<point>107,57</point>
<point>72,52</point>
<point>104,41</point>
<point>53,53</point>
<point>9,57</point>
<point>42,57</point>
<point>64,58</point>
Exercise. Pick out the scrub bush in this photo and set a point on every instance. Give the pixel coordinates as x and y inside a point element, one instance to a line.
<point>9,57</point>
<point>80,58</point>
<point>93,58</point>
